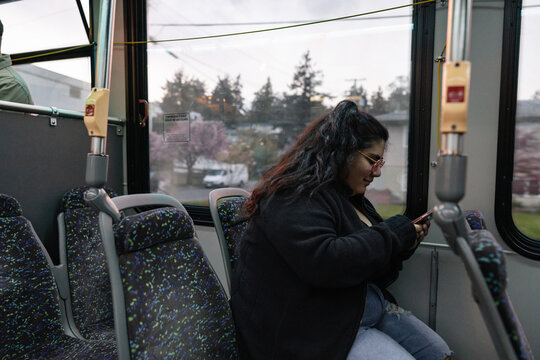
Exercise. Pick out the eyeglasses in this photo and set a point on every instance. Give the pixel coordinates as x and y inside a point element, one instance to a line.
<point>375,164</point>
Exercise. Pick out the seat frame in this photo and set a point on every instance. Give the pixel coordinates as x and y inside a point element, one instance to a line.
<point>61,277</point>
<point>213,197</point>
<point>457,232</point>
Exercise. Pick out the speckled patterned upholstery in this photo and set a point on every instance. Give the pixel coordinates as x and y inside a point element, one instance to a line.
<point>29,312</point>
<point>490,257</point>
<point>175,305</point>
<point>9,207</point>
<point>89,284</point>
<point>232,223</point>
<point>475,219</point>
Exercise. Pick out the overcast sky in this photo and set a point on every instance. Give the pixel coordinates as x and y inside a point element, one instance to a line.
<point>342,51</point>
<point>374,52</point>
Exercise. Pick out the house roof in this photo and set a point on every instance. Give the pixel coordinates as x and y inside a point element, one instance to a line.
<point>394,117</point>
<point>528,110</point>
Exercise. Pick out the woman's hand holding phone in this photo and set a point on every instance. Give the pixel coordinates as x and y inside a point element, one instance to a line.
<point>423,218</point>
<point>421,225</point>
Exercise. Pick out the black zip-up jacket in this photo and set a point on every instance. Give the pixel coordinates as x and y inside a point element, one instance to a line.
<point>299,286</point>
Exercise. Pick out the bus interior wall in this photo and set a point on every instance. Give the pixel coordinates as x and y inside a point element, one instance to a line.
<point>45,162</point>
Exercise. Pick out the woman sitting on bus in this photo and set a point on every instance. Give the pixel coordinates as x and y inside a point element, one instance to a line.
<point>316,257</point>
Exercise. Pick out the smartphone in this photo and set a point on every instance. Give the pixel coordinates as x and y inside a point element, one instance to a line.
<point>423,218</point>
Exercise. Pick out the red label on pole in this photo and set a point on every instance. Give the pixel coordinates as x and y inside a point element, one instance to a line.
<point>89,110</point>
<point>455,94</point>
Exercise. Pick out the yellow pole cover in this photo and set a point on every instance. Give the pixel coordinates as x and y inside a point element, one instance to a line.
<point>96,112</point>
<point>455,96</point>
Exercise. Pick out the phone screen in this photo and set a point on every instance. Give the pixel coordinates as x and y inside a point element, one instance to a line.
<point>422,218</point>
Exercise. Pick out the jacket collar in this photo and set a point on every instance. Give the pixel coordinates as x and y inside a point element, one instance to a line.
<point>5,61</point>
<point>343,188</point>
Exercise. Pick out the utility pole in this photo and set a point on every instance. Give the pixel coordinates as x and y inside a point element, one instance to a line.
<point>361,100</point>
<point>355,80</point>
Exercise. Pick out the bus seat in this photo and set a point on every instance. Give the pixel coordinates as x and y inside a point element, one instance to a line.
<point>89,301</point>
<point>475,219</point>
<point>30,316</point>
<point>491,260</point>
<point>226,209</point>
<point>174,304</point>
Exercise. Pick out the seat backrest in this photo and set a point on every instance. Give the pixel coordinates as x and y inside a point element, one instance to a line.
<point>174,304</point>
<point>475,219</point>
<point>485,262</point>
<point>226,208</point>
<point>89,304</point>
<point>491,260</point>
<point>29,312</point>
<point>30,316</point>
<point>490,257</point>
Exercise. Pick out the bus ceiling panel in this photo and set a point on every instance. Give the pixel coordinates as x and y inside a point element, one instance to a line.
<point>41,162</point>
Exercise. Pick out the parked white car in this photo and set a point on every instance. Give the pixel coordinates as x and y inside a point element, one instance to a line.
<point>226,175</point>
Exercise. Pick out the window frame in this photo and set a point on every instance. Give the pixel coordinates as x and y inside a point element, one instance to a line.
<point>422,50</point>
<point>136,75</point>
<point>508,230</point>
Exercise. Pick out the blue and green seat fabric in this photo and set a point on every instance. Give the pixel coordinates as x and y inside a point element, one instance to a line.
<point>475,219</point>
<point>491,260</point>
<point>233,223</point>
<point>90,299</point>
<point>175,306</point>
<point>30,316</point>
<point>230,223</point>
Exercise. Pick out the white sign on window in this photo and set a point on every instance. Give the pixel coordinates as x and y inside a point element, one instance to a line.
<point>176,127</point>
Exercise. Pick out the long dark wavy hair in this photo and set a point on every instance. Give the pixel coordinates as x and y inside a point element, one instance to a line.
<point>320,153</point>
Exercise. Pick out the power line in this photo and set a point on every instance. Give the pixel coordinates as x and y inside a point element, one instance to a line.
<point>273,22</point>
<point>248,32</point>
<point>276,28</point>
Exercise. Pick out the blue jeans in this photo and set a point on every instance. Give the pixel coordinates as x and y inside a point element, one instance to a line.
<point>388,332</point>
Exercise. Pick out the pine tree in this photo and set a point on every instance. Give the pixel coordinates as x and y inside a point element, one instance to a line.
<point>358,94</point>
<point>399,97</point>
<point>262,108</point>
<point>184,94</point>
<point>378,104</point>
<point>227,101</point>
<point>304,86</point>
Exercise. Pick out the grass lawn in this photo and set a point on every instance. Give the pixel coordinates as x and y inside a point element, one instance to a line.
<point>200,202</point>
<point>528,223</point>
<point>387,211</point>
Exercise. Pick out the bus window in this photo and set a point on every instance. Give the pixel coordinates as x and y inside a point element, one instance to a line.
<point>32,25</point>
<point>64,84</point>
<point>526,180</point>
<point>236,103</point>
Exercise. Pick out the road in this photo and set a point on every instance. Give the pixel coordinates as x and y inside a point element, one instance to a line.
<point>194,194</point>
